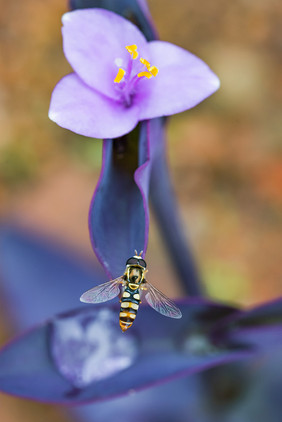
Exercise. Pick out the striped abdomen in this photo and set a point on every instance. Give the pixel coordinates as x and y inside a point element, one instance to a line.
<point>129,306</point>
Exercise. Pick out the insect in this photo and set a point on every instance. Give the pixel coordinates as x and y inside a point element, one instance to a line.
<point>131,286</point>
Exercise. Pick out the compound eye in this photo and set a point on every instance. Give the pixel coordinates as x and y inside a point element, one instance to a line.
<point>142,263</point>
<point>132,261</point>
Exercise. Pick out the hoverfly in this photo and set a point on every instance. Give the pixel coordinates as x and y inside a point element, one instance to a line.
<point>130,285</point>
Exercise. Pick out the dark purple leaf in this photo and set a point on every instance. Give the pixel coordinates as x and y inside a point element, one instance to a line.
<point>87,349</point>
<point>237,392</point>
<point>118,222</point>
<point>244,391</point>
<point>259,328</point>
<point>155,350</point>
<point>176,401</point>
<point>265,314</point>
<point>118,227</point>
<point>119,213</point>
<point>39,278</point>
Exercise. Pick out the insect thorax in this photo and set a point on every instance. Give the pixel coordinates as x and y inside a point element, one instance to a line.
<point>134,276</point>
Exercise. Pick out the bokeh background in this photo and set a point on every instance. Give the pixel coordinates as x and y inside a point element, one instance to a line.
<point>225,155</point>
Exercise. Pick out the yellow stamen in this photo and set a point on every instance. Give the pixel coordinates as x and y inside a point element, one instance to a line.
<point>145,62</point>
<point>132,49</point>
<point>119,76</point>
<point>147,74</point>
<point>154,70</point>
<point>151,70</point>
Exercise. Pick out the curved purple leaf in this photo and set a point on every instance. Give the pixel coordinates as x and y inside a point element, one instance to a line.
<point>241,391</point>
<point>117,220</point>
<point>89,349</point>
<point>39,278</point>
<point>265,314</point>
<point>160,403</point>
<point>68,360</point>
<point>118,227</point>
<point>119,212</point>
<point>244,391</point>
<point>260,327</point>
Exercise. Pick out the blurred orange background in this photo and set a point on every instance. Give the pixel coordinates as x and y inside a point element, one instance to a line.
<point>225,155</point>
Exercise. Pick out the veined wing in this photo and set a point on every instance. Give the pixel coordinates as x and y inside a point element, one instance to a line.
<point>161,303</point>
<point>103,292</point>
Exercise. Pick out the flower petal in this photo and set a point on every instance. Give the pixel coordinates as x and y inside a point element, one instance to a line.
<point>183,81</point>
<point>93,39</point>
<point>135,10</point>
<point>83,110</point>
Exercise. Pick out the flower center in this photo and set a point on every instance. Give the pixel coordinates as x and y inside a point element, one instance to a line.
<point>127,79</point>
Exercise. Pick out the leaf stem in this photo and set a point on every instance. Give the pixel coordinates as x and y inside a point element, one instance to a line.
<point>166,211</point>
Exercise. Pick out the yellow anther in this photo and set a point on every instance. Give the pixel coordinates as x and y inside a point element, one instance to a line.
<point>147,74</point>
<point>154,70</point>
<point>132,49</point>
<point>145,62</point>
<point>120,75</point>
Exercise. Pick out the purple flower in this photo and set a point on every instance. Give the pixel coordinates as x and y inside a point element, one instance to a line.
<point>134,167</point>
<point>120,78</point>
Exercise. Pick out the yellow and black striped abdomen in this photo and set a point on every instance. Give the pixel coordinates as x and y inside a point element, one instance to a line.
<point>128,308</point>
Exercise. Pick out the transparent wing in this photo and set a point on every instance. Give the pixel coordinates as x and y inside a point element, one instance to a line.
<point>161,303</point>
<point>103,292</point>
